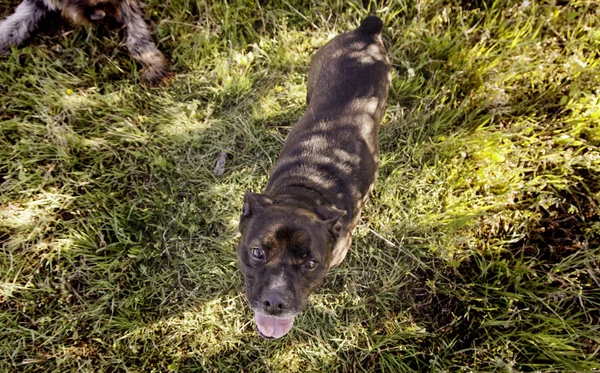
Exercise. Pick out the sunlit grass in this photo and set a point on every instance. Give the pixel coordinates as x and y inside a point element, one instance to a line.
<point>478,252</point>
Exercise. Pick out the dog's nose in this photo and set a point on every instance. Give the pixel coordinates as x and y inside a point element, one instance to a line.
<point>274,304</point>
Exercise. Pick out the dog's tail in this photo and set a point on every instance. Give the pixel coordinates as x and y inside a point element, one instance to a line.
<point>371,25</point>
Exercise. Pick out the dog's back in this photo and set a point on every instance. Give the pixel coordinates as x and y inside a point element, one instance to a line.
<point>345,72</point>
<point>333,149</point>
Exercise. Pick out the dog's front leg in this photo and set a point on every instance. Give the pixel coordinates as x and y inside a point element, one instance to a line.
<point>15,29</point>
<point>140,45</point>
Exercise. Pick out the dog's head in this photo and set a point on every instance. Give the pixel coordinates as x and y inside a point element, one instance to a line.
<point>284,256</point>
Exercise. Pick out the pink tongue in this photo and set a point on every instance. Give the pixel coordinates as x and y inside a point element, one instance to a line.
<point>273,327</point>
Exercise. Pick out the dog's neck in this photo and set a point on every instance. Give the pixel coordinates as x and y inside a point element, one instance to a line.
<point>300,196</point>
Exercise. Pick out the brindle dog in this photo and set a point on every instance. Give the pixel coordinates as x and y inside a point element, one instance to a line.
<point>19,26</point>
<point>300,228</point>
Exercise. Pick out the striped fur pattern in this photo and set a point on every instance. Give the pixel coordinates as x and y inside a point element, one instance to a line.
<point>20,25</point>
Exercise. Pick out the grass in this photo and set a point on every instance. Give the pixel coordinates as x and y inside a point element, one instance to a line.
<point>479,250</point>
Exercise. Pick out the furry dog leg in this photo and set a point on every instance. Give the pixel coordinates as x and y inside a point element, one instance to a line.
<point>19,26</point>
<point>139,43</point>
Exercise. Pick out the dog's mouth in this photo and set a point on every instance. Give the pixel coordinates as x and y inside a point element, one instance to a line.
<point>272,327</point>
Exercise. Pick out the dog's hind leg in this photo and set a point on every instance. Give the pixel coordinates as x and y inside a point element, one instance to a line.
<point>19,26</point>
<point>140,44</point>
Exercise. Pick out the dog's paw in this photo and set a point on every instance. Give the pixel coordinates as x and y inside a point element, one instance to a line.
<point>157,75</point>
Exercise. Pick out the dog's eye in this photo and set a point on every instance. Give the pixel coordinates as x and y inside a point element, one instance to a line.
<point>257,253</point>
<point>310,265</point>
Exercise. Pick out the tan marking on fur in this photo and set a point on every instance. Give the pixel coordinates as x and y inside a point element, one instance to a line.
<point>340,250</point>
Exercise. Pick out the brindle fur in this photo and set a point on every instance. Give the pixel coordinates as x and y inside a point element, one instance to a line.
<point>323,176</point>
<point>19,26</point>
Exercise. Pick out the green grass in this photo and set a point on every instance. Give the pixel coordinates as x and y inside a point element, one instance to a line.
<point>479,250</point>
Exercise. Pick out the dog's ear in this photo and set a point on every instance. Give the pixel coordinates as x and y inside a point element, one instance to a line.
<point>332,218</point>
<point>254,203</point>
